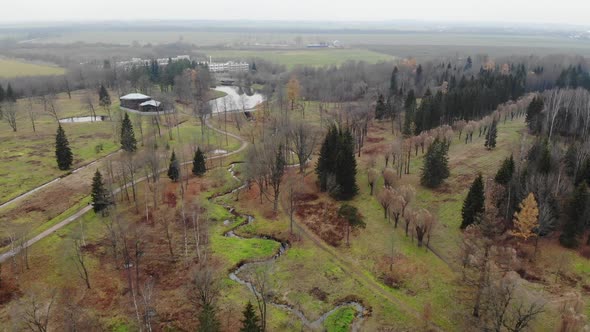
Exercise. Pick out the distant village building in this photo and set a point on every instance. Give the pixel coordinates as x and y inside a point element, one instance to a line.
<point>139,102</point>
<point>333,44</point>
<point>144,62</point>
<point>230,66</point>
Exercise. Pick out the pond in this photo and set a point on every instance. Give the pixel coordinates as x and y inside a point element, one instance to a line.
<point>235,100</point>
<point>77,119</point>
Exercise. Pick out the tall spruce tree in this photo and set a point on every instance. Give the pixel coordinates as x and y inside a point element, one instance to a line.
<point>380,108</point>
<point>504,174</point>
<point>9,96</point>
<point>544,159</point>
<point>346,167</point>
<point>492,135</point>
<point>104,99</point>
<point>174,168</point>
<point>128,142</point>
<point>251,322</point>
<point>326,163</point>
<point>338,163</point>
<point>574,224</point>
<point>436,164</point>
<point>532,113</point>
<point>100,195</point>
<point>199,163</point>
<point>208,321</point>
<point>393,89</point>
<point>63,153</point>
<point>2,93</point>
<point>409,118</point>
<point>473,206</point>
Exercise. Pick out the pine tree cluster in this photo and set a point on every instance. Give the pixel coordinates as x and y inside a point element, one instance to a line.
<point>336,167</point>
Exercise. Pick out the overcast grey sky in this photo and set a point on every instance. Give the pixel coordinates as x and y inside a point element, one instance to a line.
<point>541,11</point>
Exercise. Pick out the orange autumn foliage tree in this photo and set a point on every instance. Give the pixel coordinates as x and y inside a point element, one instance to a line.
<point>527,219</point>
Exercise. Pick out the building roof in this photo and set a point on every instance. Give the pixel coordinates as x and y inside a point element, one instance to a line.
<point>150,103</point>
<point>135,96</point>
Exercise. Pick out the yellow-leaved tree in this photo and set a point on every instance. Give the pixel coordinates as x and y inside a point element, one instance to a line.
<point>526,221</point>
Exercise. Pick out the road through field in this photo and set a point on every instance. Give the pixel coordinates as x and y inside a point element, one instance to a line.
<point>84,210</point>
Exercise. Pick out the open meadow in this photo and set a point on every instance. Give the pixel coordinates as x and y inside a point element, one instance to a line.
<point>12,68</point>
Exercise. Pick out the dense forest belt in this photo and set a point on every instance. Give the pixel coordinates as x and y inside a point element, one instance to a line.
<point>86,209</point>
<point>234,273</point>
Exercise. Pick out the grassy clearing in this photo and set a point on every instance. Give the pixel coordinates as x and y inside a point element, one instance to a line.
<point>308,57</point>
<point>32,152</point>
<point>340,320</point>
<point>13,68</point>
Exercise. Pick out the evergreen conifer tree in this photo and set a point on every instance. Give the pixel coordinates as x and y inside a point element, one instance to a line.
<point>380,108</point>
<point>492,135</point>
<point>251,322</point>
<point>174,168</point>
<point>104,99</point>
<point>337,162</point>
<point>63,153</point>
<point>544,161</point>
<point>346,167</point>
<point>574,224</point>
<point>393,82</point>
<point>9,96</point>
<point>2,93</point>
<point>473,206</point>
<point>532,113</point>
<point>327,159</point>
<point>208,321</point>
<point>199,163</point>
<point>505,172</point>
<point>409,118</point>
<point>100,195</point>
<point>436,164</point>
<point>128,142</point>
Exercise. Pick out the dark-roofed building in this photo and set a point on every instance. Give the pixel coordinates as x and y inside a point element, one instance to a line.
<point>150,106</point>
<point>134,100</point>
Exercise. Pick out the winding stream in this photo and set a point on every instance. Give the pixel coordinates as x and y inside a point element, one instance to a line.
<point>283,247</point>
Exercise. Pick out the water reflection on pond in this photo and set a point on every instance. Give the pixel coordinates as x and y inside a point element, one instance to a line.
<point>77,119</point>
<point>236,99</point>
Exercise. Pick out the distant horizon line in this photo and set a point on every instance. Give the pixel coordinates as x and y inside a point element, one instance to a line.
<point>368,23</point>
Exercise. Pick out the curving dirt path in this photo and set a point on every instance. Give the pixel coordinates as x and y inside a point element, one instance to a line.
<point>7,255</point>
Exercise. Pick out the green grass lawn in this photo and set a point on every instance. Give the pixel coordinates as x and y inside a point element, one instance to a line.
<point>13,68</point>
<point>308,57</point>
<point>28,158</point>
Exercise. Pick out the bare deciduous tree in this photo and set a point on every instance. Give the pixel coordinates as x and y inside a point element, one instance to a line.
<point>9,113</point>
<point>80,262</point>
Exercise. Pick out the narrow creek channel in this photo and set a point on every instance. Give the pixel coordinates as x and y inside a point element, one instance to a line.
<point>283,248</point>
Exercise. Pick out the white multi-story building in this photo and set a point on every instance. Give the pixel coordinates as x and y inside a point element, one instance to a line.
<point>230,66</point>
<point>145,62</point>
